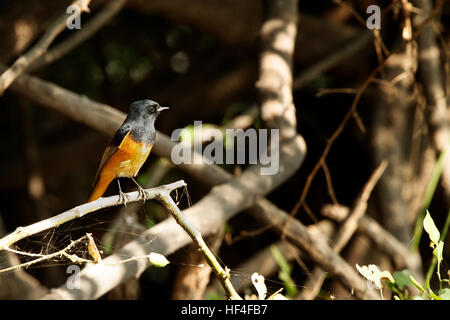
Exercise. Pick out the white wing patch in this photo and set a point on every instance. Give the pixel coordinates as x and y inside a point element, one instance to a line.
<point>124,164</point>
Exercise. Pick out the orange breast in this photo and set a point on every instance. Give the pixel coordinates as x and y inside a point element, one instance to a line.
<point>128,159</point>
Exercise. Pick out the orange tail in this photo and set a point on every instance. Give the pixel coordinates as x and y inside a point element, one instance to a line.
<point>100,187</point>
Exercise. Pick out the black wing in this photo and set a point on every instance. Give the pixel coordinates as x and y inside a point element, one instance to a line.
<point>117,139</point>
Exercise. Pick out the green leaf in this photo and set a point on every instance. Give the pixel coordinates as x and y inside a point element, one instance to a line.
<point>430,228</point>
<point>158,260</point>
<point>402,279</point>
<point>445,293</point>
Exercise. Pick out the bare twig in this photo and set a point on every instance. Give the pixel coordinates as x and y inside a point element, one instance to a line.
<point>317,247</point>
<point>21,64</point>
<point>80,211</point>
<point>352,111</point>
<point>111,9</point>
<point>194,274</point>
<point>263,261</point>
<point>349,226</point>
<point>332,60</point>
<point>222,274</point>
<point>17,284</point>
<point>345,232</point>
<point>46,257</point>
<point>381,237</point>
<point>331,140</point>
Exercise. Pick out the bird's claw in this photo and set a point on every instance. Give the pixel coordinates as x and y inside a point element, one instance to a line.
<point>123,198</point>
<point>143,194</point>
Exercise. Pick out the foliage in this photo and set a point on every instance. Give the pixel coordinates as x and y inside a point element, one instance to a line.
<point>401,280</point>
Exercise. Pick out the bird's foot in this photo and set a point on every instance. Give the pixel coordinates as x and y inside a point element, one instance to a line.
<point>143,194</point>
<point>123,198</point>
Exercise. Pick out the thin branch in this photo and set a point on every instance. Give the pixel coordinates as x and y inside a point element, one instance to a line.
<point>330,188</point>
<point>316,247</point>
<point>323,91</point>
<point>193,276</point>
<point>21,64</point>
<point>332,60</point>
<point>222,274</point>
<point>332,139</point>
<point>380,236</point>
<point>62,252</point>
<point>347,229</point>
<point>264,263</point>
<point>111,9</point>
<point>345,232</point>
<point>351,111</point>
<point>80,211</point>
<point>18,284</point>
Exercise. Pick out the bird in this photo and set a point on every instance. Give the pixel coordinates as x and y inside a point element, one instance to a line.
<point>128,149</point>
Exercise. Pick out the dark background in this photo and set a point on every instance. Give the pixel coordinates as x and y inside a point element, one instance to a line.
<point>203,63</point>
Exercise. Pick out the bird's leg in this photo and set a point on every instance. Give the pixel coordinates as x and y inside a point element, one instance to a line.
<point>142,193</point>
<point>122,196</point>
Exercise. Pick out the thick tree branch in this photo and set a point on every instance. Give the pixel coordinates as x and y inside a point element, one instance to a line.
<point>432,77</point>
<point>278,34</point>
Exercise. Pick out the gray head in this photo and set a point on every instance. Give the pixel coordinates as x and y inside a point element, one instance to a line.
<point>144,110</point>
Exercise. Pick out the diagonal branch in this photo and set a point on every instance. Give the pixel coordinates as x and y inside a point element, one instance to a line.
<point>21,64</point>
<point>111,9</point>
<point>222,274</point>
<point>345,232</point>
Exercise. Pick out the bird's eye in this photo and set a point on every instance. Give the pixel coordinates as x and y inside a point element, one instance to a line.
<point>152,109</point>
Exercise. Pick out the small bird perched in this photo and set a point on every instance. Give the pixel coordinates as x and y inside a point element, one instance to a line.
<point>128,149</point>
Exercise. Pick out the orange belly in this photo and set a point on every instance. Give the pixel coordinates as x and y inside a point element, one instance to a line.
<point>128,159</point>
<point>126,162</point>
